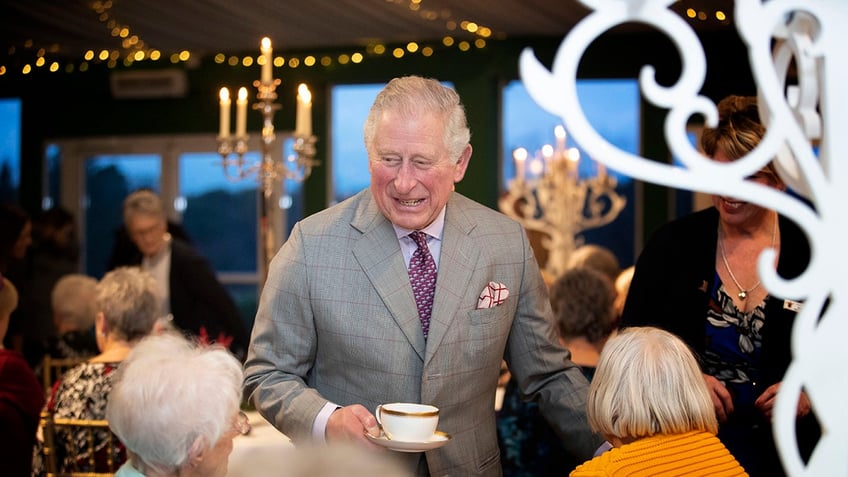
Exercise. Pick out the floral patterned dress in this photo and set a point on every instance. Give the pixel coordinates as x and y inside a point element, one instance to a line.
<point>733,354</point>
<point>82,393</point>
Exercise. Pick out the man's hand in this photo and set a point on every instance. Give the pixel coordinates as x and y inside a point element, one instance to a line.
<point>722,401</point>
<point>765,403</point>
<point>350,423</point>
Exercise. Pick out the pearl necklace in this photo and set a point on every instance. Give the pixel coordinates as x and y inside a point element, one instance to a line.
<point>743,293</point>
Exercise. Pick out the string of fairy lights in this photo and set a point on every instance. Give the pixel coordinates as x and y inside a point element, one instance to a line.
<point>134,49</point>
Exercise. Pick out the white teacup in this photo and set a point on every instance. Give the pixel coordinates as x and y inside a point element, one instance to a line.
<point>408,422</point>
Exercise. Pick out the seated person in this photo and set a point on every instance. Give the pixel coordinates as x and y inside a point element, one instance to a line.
<point>128,309</point>
<point>74,309</point>
<point>21,396</point>
<point>582,300</point>
<point>175,406</point>
<point>649,400</point>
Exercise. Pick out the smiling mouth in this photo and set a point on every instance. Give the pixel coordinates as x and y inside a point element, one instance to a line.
<point>410,203</point>
<point>733,204</point>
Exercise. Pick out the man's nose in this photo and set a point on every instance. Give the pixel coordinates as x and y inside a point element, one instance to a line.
<point>405,179</point>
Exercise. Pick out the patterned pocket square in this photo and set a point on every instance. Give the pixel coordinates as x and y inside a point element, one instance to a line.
<point>493,295</point>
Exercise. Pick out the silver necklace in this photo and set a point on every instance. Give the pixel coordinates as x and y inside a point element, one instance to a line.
<point>743,293</point>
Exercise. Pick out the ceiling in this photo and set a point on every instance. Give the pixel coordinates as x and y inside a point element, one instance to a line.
<point>68,28</point>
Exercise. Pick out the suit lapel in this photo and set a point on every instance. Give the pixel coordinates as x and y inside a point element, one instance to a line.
<point>378,253</point>
<point>456,266</point>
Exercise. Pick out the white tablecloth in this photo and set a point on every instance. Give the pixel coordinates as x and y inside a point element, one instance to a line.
<point>260,453</point>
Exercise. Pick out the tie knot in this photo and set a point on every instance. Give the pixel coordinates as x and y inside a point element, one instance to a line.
<point>420,239</point>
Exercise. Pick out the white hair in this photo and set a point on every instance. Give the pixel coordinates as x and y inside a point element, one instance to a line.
<point>130,300</point>
<point>143,202</point>
<point>73,300</point>
<point>413,96</point>
<point>172,398</point>
<point>648,382</point>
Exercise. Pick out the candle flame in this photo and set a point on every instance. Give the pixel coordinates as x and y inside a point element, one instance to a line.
<point>242,94</point>
<point>224,94</point>
<point>265,45</point>
<point>520,154</point>
<point>304,94</point>
<point>559,132</point>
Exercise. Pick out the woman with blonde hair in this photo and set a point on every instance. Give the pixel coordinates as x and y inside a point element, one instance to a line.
<point>650,402</point>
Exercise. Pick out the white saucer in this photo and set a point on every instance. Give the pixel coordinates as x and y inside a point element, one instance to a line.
<point>437,440</point>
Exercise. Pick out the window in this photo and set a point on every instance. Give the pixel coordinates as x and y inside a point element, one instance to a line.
<point>108,180</point>
<point>351,104</point>
<point>220,216</point>
<point>612,106</point>
<point>10,149</point>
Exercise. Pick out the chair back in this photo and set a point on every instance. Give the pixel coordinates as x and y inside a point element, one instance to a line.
<point>53,368</point>
<point>80,447</point>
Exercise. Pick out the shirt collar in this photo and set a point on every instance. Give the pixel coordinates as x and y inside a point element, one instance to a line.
<point>434,230</point>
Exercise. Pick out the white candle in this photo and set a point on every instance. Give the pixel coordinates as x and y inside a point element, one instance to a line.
<point>265,48</point>
<point>574,159</point>
<point>303,121</point>
<point>559,132</point>
<point>520,156</point>
<point>224,130</point>
<point>548,156</point>
<point>241,113</point>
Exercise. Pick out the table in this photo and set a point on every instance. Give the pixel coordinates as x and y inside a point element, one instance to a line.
<point>260,453</point>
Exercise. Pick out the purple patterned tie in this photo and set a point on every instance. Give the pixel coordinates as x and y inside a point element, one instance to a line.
<point>422,276</point>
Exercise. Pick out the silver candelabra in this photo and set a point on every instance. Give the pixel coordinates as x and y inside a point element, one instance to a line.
<point>272,170</point>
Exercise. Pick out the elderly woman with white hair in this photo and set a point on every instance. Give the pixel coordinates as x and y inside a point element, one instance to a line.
<point>175,406</point>
<point>649,400</point>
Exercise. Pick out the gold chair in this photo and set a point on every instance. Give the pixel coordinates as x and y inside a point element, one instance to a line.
<point>101,455</point>
<point>53,368</point>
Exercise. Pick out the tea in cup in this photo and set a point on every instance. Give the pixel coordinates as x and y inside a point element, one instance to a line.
<point>408,422</point>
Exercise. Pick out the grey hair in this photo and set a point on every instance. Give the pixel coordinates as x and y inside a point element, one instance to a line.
<point>73,300</point>
<point>582,302</point>
<point>647,382</point>
<point>143,202</point>
<point>413,96</point>
<point>172,398</point>
<point>130,300</point>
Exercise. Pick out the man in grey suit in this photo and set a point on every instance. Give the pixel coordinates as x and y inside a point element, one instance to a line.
<point>339,331</point>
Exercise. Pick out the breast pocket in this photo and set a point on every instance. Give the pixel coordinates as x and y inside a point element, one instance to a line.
<point>488,331</point>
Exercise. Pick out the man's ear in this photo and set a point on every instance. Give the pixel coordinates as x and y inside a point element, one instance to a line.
<point>462,164</point>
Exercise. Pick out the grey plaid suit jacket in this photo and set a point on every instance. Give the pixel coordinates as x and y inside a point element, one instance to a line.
<point>337,322</point>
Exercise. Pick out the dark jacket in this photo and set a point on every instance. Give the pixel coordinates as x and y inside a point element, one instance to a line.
<point>198,299</point>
